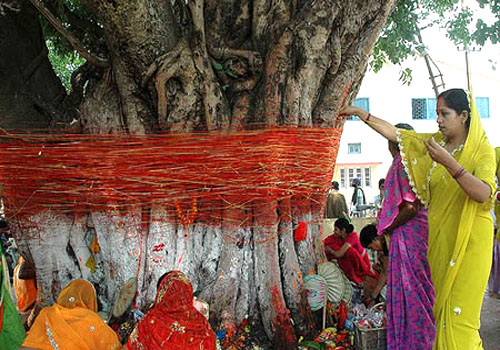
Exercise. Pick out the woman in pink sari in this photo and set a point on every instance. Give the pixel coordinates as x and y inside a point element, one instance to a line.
<point>410,292</point>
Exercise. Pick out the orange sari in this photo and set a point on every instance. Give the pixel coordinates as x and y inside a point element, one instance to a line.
<point>26,291</point>
<point>173,323</point>
<point>72,323</point>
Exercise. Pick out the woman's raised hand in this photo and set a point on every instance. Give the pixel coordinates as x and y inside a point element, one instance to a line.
<point>352,110</point>
<point>384,128</point>
<point>437,152</point>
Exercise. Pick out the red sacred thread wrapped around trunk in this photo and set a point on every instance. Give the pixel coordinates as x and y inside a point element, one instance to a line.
<point>196,176</point>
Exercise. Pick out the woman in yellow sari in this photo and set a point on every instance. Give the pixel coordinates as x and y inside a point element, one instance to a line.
<point>497,195</point>
<point>72,323</point>
<point>453,172</point>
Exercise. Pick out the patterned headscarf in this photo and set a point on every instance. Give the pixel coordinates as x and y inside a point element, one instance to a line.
<point>173,323</point>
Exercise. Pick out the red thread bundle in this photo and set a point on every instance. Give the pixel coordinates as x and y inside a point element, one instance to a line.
<point>196,176</point>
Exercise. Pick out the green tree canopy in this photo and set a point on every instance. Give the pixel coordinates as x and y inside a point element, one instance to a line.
<point>399,39</point>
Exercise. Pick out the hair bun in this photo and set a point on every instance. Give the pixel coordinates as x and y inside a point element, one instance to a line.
<point>350,228</point>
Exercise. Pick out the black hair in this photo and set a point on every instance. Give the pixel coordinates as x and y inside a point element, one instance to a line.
<point>161,279</point>
<point>368,235</point>
<point>457,100</point>
<point>335,185</point>
<point>344,224</point>
<point>381,182</point>
<point>3,224</point>
<point>400,126</point>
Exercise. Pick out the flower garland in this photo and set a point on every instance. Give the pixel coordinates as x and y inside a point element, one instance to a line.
<point>187,220</point>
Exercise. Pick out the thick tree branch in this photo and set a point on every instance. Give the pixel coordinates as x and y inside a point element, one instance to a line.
<point>312,50</point>
<point>216,114</point>
<point>356,42</point>
<point>78,79</point>
<point>269,20</point>
<point>74,42</point>
<point>79,23</point>
<point>253,57</point>
<point>300,47</point>
<point>169,67</point>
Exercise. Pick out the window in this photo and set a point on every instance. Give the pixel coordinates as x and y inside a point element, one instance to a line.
<point>368,177</point>
<point>351,176</point>
<point>483,106</point>
<point>342,178</point>
<point>348,174</point>
<point>425,108</point>
<point>354,148</point>
<point>358,174</point>
<point>362,102</point>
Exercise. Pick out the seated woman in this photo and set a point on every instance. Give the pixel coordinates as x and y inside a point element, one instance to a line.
<point>344,245</point>
<point>371,240</point>
<point>24,286</point>
<point>173,323</point>
<point>72,323</point>
<point>12,331</point>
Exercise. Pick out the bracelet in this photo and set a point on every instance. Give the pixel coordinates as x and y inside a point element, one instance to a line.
<point>460,172</point>
<point>367,118</point>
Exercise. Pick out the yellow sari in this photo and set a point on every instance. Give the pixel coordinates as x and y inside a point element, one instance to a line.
<point>497,200</point>
<point>460,232</point>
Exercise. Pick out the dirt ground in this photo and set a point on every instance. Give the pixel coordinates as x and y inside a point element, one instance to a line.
<point>490,322</point>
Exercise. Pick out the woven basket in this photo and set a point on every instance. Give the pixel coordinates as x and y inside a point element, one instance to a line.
<point>370,339</point>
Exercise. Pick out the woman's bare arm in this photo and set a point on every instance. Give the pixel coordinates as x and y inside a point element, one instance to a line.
<point>474,187</point>
<point>382,280</point>
<point>384,128</point>
<point>407,211</point>
<point>338,253</point>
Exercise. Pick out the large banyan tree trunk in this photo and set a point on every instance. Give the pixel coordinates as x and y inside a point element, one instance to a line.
<point>178,66</point>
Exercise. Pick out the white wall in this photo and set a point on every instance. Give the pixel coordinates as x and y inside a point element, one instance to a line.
<point>391,100</point>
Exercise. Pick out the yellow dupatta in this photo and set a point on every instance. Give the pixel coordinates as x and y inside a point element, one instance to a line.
<point>460,232</point>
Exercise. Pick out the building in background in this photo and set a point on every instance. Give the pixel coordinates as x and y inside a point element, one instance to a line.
<point>364,154</point>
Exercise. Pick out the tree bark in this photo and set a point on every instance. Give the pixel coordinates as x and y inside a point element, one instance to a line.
<point>177,67</point>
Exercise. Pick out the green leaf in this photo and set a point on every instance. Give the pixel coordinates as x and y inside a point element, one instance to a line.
<point>217,66</point>
<point>64,63</point>
<point>405,76</point>
<point>309,344</point>
<point>232,75</point>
